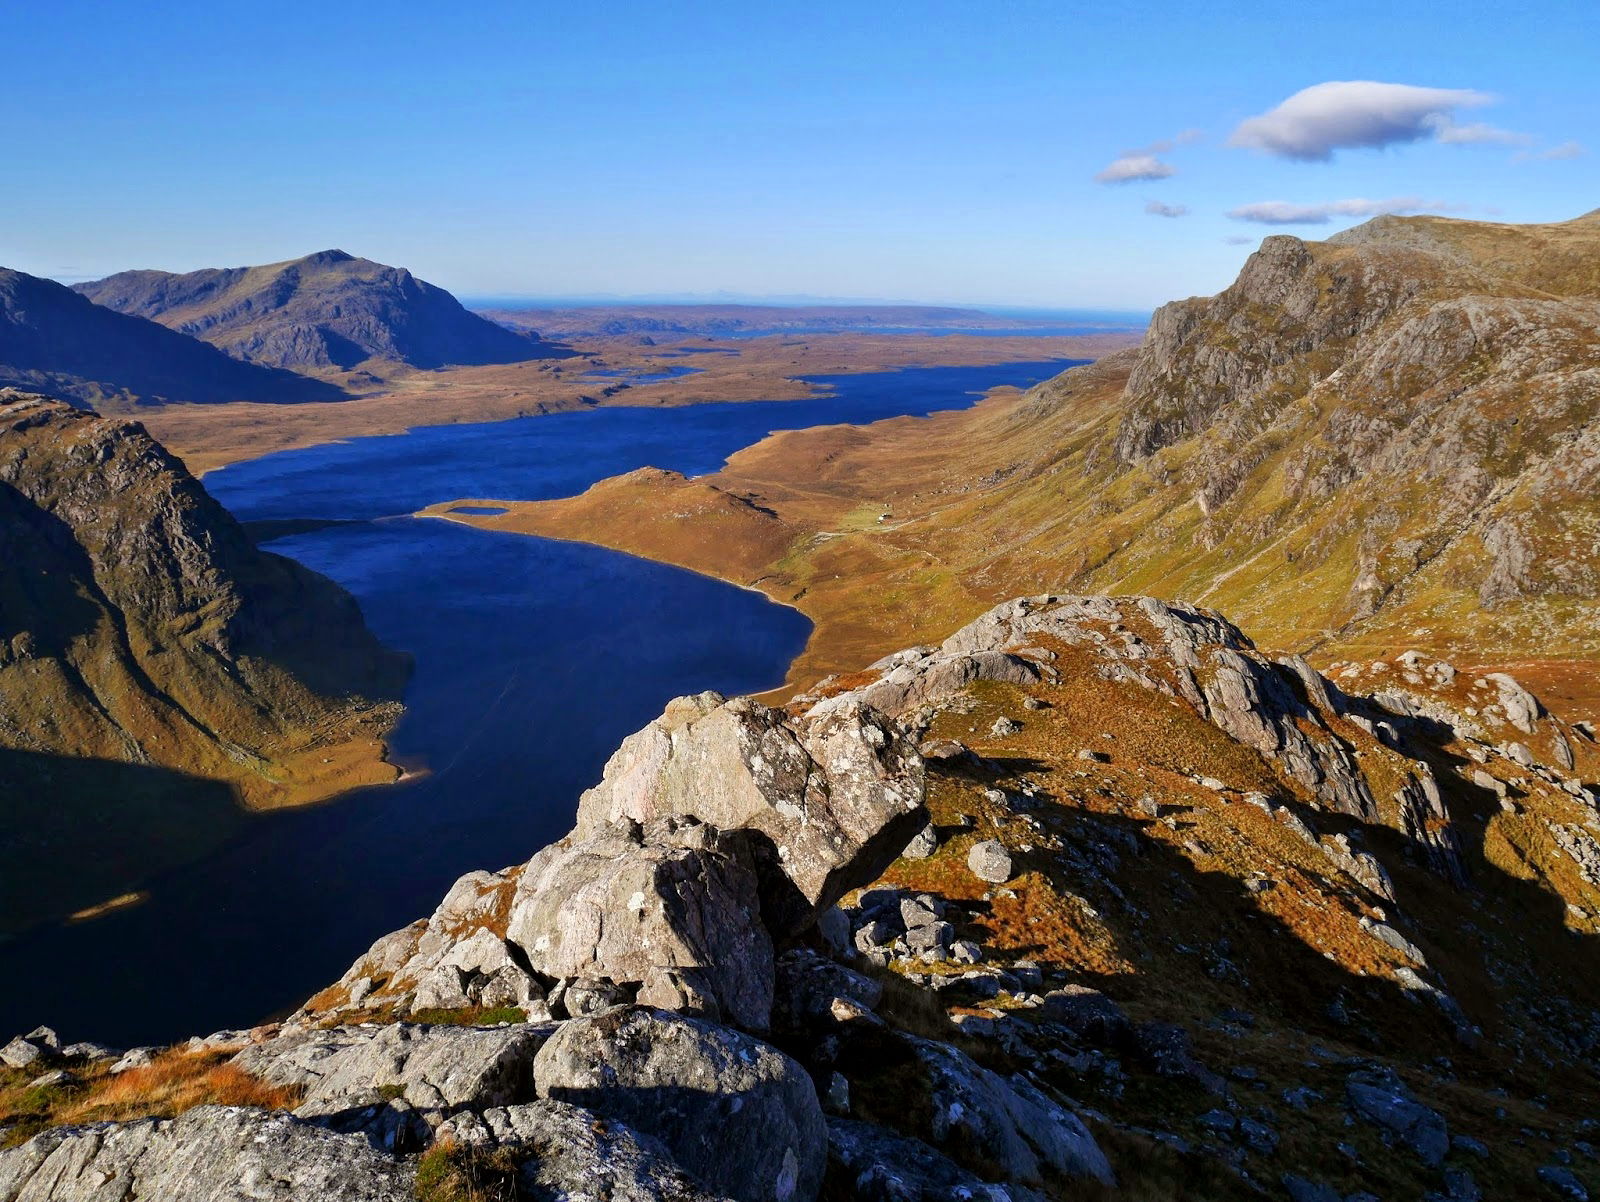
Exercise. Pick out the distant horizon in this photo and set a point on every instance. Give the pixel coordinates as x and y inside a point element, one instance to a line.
<point>1061,157</point>
<point>534,301</point>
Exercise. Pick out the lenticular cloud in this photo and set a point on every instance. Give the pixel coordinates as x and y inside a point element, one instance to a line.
<point>1313,123</point>
<point>1281,212</point>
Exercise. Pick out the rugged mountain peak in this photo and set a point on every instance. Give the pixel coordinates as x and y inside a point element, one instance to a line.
<point>56,341</point>
<point>139,625</point>
<point>327,311</point>
<point>1291,318</point>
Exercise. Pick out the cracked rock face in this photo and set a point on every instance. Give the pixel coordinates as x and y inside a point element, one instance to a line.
<point>432,1068</point>
<point>832,797</point>
<point>209,1154</point>
<point>674,909</point>
<point>730,1109</point>
<point>567,1152</point>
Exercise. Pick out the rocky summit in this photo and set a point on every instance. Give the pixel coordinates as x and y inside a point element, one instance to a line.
<point>1093,899</point>
<point>156,668</point>
<point>327,311</point>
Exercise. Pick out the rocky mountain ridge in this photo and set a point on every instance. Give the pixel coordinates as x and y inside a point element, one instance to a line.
<point>1093,899</point>
<point>149,650</point>
<point>1384,441</point>
<point>53,340</point>
<point>329,311</point>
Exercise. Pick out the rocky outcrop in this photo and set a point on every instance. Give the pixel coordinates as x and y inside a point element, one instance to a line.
<point>327,310</point>
<point>827,798</point>
<point>432,1069</point>
<point>730,1109</point>
<point>669,1022</point>
<point>210,1153</point>
<point>673,910</point>
<point>565,1152</point>
<point>140,625</point>
<point>1280,709</point>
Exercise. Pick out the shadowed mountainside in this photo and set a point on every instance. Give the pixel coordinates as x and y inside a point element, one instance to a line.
<point>327,311</point>
<point>53,340</point>
<point>139,624</point>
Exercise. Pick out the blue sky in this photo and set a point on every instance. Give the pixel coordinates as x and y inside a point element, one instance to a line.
<point>933,151</point>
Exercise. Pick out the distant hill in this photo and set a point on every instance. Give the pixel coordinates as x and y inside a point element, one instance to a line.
<point>327,311</point>
<point>710,321</point>
<point>52,340</point>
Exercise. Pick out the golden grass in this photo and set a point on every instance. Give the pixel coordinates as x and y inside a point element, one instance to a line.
<point>174,1082</point>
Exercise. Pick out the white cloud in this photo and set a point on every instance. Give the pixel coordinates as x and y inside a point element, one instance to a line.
<point>1478,134</point>
<point>1281,212</point>
<point>1313,123</point>
<point>1133,167</point>
<point>1157,209</point>
<point>1567,150</point>
<point>1142,164</point>
<point>1238,240</point>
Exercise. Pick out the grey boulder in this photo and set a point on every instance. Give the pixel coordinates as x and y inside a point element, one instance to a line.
<point>209,1154</point>
<point>674,909</point>
<point>833,797</point>
<point>430,1067</point>
<point>731,1110</point>
<point>989,861</point>
<point>570,1153</point>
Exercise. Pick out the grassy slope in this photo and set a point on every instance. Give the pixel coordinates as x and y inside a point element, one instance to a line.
<point>1349,514</point>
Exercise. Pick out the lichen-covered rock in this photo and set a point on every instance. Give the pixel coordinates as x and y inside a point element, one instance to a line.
<point>989,861</point>
<point>570,1153</point>
<point>673,908</point>
<point>833,797</point>
<point>730,1109</point>
<point>432,1067</point>
<point>209,1154</point>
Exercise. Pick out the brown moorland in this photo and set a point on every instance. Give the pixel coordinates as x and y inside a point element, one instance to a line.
<point>1384,441</point>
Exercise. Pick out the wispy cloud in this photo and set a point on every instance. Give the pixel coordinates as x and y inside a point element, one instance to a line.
<point>1132,166</point>
<point>1281,212</point>
<point>1567,150</point>
<point>1314,122</point>
<point>1238,240</point>
<point>1479,134</point>
<point>1157,209</point>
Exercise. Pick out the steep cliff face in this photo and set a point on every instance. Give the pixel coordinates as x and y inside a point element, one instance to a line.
<point>139,625</point>
<point>1411,411</point>
<point>329,310</point>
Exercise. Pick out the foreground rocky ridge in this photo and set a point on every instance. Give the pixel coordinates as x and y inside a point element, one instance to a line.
<point>144,639</point>
<point>1093,897</point>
